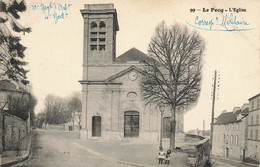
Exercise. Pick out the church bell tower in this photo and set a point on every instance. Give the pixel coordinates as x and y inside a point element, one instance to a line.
<point>100,27</point>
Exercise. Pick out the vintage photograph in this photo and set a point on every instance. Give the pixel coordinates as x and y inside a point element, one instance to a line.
<point>98,83</point>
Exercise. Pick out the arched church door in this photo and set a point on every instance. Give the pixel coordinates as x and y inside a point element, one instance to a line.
<point>166,127</point>
<point>131,124</point>
<point>96,126</point>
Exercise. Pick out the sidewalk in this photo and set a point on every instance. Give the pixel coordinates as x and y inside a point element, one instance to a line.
<point>236,161</point>
<point>9,158</point>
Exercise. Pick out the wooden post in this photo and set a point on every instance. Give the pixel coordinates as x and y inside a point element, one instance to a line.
<point>212,114</point>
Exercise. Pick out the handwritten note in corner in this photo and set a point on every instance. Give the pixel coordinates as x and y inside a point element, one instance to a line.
<point>53,10</point>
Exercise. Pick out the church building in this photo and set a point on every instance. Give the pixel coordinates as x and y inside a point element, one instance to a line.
<point>112,103</point>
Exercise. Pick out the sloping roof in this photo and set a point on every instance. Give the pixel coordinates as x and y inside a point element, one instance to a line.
<point>245,111</point>
<point>254,96</point>
<point>132,55</point>
<point>226,118</point>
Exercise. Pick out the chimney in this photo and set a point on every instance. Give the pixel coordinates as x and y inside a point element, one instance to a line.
<point>235,109</point>
<point>224,111</point>
<point>246,105</point>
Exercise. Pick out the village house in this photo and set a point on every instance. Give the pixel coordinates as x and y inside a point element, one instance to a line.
<point>112,103</point>
<point>253,140</point>
<point>230,133</point>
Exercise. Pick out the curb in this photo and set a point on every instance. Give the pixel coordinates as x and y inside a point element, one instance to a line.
<point>23,158</point>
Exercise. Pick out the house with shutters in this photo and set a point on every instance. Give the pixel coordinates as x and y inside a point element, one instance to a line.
<point>112,104</point>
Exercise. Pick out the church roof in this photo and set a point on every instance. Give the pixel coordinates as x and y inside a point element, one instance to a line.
<point>132,56</point>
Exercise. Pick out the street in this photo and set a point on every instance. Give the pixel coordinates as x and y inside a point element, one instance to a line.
<point>64,149</point>
<point>51,149</point>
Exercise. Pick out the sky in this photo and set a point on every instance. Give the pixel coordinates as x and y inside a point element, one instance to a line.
<point>55,49</point>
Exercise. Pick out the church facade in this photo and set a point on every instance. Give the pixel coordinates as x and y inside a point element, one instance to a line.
<point>112,104</point>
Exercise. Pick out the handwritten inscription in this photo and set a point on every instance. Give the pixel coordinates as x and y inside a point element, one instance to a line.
<point>229,19</point>
<point>53,10</point>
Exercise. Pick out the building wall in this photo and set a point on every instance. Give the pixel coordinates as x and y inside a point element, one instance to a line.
<point>15,129</point>
<point>253,141</point>
<point>110,102</point>
<point>235,148</point>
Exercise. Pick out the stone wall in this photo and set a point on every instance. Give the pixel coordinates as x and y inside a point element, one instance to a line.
<point>13,129</point>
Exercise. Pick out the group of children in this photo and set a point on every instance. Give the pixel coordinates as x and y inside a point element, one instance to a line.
<point>164,156</point>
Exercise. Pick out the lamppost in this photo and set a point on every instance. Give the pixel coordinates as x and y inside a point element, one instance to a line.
<point>161,108</point>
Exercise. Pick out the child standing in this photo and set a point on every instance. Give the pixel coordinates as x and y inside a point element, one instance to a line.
<point>161,156</point>
<point>167,157</point>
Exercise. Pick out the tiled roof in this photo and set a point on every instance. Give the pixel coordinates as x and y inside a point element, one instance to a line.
<point>132,55</point>
<point>226,118</point>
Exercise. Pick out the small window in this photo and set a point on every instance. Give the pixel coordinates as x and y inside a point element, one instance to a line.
<point>231,139</point>
<point>257,119</point>
<point>253,103</point>
<point>102,33</point>
<point>102,39</point>
<point>102,24</point>
<point>258,103</point>
<point>93,33</point>
<point>93,25</point>
<point>93,47</point>
<point>251,135</point>
<point>102,47</point>
<point>252,120</point>
<point>93,39</point>
<point>256,134</point>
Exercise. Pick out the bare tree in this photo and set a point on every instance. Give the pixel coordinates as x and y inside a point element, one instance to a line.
<point>75,106</point>
<point>56,110</point>
<point>173,75</point>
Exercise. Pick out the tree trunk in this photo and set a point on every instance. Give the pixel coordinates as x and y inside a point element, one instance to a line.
<point>173,127</point>
<point>3,131</point>
<point>73,117</point>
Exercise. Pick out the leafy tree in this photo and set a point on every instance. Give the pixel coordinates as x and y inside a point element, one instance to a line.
<point>173,77</point>
<point>11,50</point>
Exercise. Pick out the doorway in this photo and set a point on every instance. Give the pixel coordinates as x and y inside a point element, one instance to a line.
<point>131,124</point>
<point>96,126</point>
<point>227,152</point>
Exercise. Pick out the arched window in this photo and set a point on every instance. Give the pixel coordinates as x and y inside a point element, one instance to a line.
<point>227,140</point>
<point>102,24</point>
<point>236,140</point>
<point>231,139</point>
<point>93,25</point>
